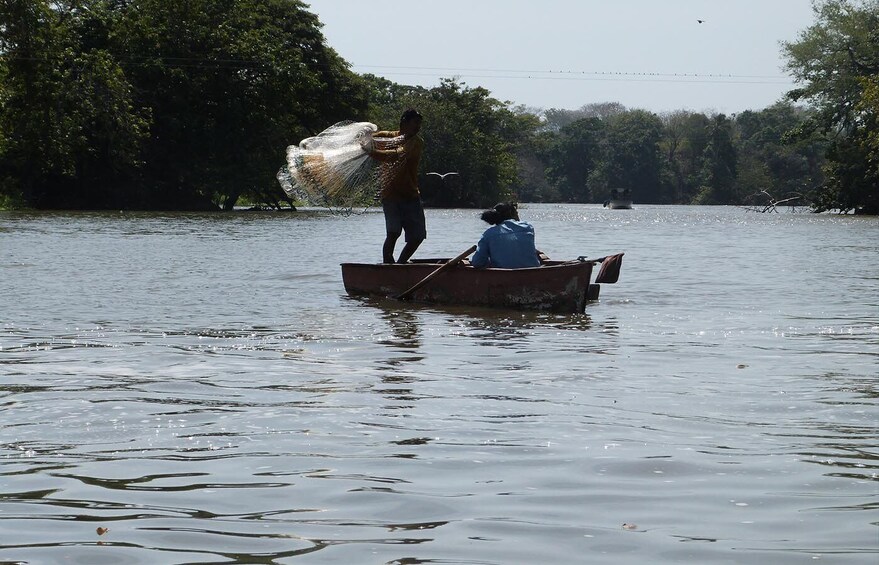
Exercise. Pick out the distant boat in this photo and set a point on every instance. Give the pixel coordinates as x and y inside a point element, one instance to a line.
<point>620,199</point>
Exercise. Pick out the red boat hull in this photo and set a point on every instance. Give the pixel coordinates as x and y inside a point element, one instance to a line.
<point>557,286</point>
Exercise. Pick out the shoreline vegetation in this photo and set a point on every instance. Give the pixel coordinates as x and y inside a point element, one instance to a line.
<point>189,107</point>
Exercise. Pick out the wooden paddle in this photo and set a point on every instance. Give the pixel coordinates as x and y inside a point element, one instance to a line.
<point>610,269</point>
<point>442,268</point>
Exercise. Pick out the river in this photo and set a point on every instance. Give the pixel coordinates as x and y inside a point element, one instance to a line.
<point>197,388</point>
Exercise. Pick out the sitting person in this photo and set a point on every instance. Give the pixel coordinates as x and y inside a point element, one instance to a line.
<point>509,243</point>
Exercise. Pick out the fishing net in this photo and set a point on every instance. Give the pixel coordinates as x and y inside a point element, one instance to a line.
<point>332,170</point>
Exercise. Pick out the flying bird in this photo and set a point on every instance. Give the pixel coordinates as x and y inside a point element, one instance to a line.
<point>701,21</point>
<point>442,175</point>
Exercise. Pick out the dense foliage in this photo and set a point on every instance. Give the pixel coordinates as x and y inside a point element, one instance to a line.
<point>189,105</point>
<point>151,104</point>
<point>467,132</point>
<point>837,61</point>
<point>682,157</point>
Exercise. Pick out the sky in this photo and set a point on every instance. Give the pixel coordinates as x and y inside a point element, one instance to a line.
<point>564,54</point>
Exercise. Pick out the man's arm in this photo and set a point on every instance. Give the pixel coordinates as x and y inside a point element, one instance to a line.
<point>409,148</point>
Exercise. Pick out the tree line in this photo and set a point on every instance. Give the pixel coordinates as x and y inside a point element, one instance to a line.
<point>115,104</point>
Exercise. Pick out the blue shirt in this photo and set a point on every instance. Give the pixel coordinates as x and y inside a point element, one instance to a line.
<point>509,245</point>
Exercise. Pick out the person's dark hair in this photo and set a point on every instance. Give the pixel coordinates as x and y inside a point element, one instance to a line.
<point>409,115</point>
<point>501,212</point>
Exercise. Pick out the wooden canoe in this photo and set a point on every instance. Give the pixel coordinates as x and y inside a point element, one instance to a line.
<point>556,286</point>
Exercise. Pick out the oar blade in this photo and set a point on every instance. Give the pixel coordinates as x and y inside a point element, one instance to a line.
<point>610,269</point>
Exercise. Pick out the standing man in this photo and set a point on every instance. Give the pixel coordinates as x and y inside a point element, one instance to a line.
<point>400,153</point>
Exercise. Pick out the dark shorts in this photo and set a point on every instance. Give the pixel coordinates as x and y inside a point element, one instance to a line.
<point>405,215</point>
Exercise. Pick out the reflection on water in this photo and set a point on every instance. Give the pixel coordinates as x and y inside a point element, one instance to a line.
<point>181,388</point>
<point>497,327</point>
<point>403,325</point>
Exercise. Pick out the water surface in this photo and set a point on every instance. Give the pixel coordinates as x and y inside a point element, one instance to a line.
<point>201,387</point>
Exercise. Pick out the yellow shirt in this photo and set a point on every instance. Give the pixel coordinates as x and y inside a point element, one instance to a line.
<point>400,158</point>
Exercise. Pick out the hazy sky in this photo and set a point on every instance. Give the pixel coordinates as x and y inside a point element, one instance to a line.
<point>650,54</point>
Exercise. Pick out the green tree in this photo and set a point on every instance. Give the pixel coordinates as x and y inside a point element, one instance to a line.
<point>632,157</point>
<point>685,137</point>
<point>771,159</point>
<point>555,118</point>
<point>150,104</point>
<point>719,165</point>
<point>230,83</point>
<point>533,184</point>
<point>521,129</point>
<point>388,99</point>
<point>465,130</point>
<point>574,158</point>
<point>835,60</point>
<point>73,133</point>
<point>868,106</point>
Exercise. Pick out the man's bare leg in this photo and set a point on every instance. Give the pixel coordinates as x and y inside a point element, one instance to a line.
<point>408,250</point>
<point>388,247</point>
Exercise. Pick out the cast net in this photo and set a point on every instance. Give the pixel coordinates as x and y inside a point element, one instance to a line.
<point>332,170</point>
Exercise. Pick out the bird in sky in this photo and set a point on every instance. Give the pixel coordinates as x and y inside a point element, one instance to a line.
<point>701,21</point>
<point>442,175</point>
